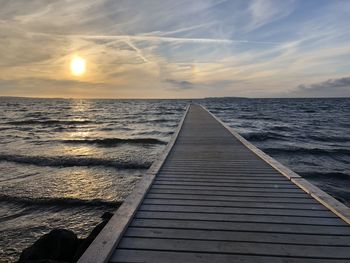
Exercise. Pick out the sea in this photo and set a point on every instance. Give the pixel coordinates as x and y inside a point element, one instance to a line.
<point>64,162</point>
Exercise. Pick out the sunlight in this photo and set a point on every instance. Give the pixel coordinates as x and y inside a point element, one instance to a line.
<point>78,66</point>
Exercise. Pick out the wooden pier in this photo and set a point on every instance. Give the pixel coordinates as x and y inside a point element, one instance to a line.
<point>214,197</point>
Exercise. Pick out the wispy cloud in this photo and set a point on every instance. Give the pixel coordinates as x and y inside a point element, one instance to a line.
<point>156,38</point>
<point>263,12</point>
<point>128,41</point>
<point>199,48</point>
<point>183,84</point>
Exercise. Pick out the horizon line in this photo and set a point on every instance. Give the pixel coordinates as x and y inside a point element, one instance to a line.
<point>199,98</point>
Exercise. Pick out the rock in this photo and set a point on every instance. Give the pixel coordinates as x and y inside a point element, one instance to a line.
<point>61,245</point>
<point>107,216</point>
<point>58,245</point>
<point>85,243</point>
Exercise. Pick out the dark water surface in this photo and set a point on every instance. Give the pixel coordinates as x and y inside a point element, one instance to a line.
<point>65,162</point>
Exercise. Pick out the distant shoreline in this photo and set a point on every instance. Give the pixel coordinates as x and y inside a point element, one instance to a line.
<point>172,99</point>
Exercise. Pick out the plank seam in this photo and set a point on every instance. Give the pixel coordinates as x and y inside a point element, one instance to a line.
<point>234,221</point>
<point>232,213</point>
<point>246,231</point>
<point>225,200</point>
<point>234,206</point>
<point>235,241</point>
<point>227,253</point>
<point>299,195</point>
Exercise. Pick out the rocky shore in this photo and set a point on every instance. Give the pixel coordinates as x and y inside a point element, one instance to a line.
<point>61,245</point>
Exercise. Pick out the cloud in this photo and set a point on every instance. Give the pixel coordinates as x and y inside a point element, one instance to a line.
<point>158,38</point>
<point>329,88</point>
<point>199,48</point>
<point>183,84</point>
<point>328,84</point>
<point>45,86</point>
<point>263,12</point>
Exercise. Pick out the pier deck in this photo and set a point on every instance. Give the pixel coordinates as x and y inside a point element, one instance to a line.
<point>213,197</point>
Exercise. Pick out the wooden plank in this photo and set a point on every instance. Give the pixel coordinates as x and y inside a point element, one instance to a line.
<point>228,189</point>
<point>152,256</point>
<point>243,226</point>
<point>216,162</point>
<point>232,169</point>
<point>237,204</point>
<point>257,178</point>
<point>237,210</point>
<point>244,236</point>
<point>174,161</point>
<point>230,174</point>
<point>225,184</point>
<point>229,193</point>
<point>221,180</point>
<point>104,244</point>
<point>218,172</point>
<point>213,179</point>
<point>231,247</point>
<point>237,167</point>
<point>245,199</point>
<point>209,165</point>
<point>240,218</point>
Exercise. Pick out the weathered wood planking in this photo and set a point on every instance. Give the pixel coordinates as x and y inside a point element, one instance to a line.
<point>214,197</point>
<point>104,244</point>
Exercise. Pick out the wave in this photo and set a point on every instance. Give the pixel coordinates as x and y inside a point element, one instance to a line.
<point>18,177</point>
<point>261,136</point>
<point>257,117</point>
<point>309,111</point>
<point>48,122</point>
<point>162,120</point>
<point>328,175</point>
<point>281,128</point>
<point>116,128</point>
<point>172,125</point>
<point>299,150</point>
<point>330,138</point>
<point>218,109</point>
<point>68,202</point>
<point>109,142</point>
<point>162,112</point>
<point>155,132</point>
<point>69,161</point>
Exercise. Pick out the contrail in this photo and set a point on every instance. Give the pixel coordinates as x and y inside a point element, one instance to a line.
<point>163,39</point>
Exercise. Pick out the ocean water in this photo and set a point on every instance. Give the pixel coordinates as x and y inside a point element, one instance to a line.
<point>63,163</point>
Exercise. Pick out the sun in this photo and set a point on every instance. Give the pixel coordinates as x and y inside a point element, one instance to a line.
<point>78,66</point>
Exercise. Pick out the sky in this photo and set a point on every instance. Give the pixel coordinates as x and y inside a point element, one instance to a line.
<point>175,49</point>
